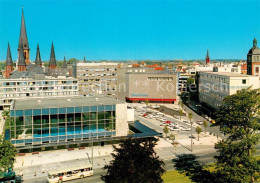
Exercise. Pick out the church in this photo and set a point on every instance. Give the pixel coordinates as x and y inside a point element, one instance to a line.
<point>24,68</point>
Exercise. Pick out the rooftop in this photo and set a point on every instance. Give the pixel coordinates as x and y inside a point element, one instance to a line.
<point>228,74</point>
<point>77,101</point>
<point>97,64</point>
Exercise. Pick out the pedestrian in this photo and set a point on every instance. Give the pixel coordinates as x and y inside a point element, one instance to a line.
<point>35,174</point>
<point>43,171</point>
<point>21,173</point>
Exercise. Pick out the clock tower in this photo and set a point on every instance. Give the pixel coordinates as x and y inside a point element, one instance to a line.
<point>253,60</point>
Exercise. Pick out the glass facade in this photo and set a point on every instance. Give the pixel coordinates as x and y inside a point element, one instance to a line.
<point>47,125</point>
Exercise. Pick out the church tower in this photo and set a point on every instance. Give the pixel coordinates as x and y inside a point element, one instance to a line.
<point>23,41</point>
<point>8,63</point>
<point>21,60</point>
<point>253,60</point>
<point>52,64</point>
<point>38,60</point>
<point>207,57</point>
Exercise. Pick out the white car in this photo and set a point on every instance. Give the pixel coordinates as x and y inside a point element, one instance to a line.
<point>199,122</point>
<point>163,124</point>
<point>174,129</point>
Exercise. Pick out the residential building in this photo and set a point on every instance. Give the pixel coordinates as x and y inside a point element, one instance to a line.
<point>38,87</point>
<point>96,78</point>
<point>52,122</point>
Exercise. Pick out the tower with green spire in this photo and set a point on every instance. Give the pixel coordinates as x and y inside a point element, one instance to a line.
<point>52,63</point>
<point>38,60</point>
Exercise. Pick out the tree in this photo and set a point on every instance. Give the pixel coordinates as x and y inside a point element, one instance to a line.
<point>180,113</point>
<point>239,118</point>
<point>172,136</point>
<point>198,131</point>
<point>7,154</point>
<point>180,103</point>
<point>166,130</point>
<point>146,102</point>
<point>190,115</point>
<point>205,124</point>
<point>72,61</point>
<point>190,81</point>
<point>134,161</point>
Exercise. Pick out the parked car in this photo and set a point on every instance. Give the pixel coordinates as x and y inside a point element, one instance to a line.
<point>192,136</point>
<point>174,129</point>
<point>199,122</point>
<point>144,115</point>
<point>163,124</point>
<point>185,121</point>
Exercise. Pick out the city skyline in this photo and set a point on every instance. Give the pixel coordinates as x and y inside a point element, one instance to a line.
<point>121,30</point>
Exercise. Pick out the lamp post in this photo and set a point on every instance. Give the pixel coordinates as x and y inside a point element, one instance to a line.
<point>191,136</point>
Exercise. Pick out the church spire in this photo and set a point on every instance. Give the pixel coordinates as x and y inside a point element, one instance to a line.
<point>53,63</point>
<point>21,60</point>
<point>23,40</point>
<point>38,60</point>
<point>64,64</point>
<point>255,43</point>
<point>9,60</point>
<point>84,59</point>
<point>207,57</point>
<point>8,63</point>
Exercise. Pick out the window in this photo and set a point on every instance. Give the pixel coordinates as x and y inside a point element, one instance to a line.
<point>244,81</point>
<point>257,70</point>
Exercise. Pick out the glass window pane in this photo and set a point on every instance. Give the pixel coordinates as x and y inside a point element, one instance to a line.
<point>45,119</point>
<point>54,118</point>
<point>61,118</point>
<point>77,116</point>
<point>70,117</point>
<point>36,112</point>
<point>101,108</point>
<point>86,116</point>
<point>93,108</point>
<point>108,107</point>
<point>28,112</point>
<point>93,115</point>
<point>45,111</point>
<point>78,109</point>
<point>12,113</point>
<point>85,109</point>
<point>36,119</point>
<point>54,111</point>
<point>19,113</point>
<point>62,110</point>
<point>70,110</point>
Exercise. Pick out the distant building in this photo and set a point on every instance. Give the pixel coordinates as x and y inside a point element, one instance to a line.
<point>50,122</point>
<point>96,78</point>
<point>253,60</point>
<point>215,86</point>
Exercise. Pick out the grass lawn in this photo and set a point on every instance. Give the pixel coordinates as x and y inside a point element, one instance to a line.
<point>174,177</point>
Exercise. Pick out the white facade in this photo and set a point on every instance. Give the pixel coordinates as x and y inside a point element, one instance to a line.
<point>215,86</point>
<point>11,89</point>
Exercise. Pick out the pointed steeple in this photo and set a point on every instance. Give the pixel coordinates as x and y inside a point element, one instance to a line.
<point>23,40</point>
<point>53,63</point>
<point>207,53</point>
<point>38,60</point>
<point>64,64</point>
<point>9,60</point>
<point>84,59</point>
<point>207,57</point>
<point>21,60</point>
<point>255,43</point>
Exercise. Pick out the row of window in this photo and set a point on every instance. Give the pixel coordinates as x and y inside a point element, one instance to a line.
<point>160,78</point>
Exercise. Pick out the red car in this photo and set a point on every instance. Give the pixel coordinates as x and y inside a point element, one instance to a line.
<point>168,122</point>
<point>144,115</point>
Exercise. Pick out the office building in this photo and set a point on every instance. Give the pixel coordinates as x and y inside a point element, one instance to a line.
<point>96,78</point>
<point>215,86</point>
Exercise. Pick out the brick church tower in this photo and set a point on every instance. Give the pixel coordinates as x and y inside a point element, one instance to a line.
<point>253,60</point>
<point>207,57</point>
<point>8,63</point>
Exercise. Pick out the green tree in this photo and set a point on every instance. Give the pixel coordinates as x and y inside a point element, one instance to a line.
<point>190,81</point>
<point>72,61</point>
<point>239,119</point>
<point>172,136</point>
<point>205,124</point>
<point>180,113</point>
<point>198,131</point>
<point>180,103</point>
<point>190,115</point>
<point>146,102</point>
<point>7,154</point>
<point>134,161</point>
<point>166,130</point>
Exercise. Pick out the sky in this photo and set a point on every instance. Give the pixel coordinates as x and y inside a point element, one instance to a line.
<point>132,30</point>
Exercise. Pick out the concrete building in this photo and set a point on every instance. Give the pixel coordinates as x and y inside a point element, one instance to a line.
<point>38,87</point>
<point>39,123</point>
<point>215,86</point>
<point>96,78</point>
<point>152,87</point>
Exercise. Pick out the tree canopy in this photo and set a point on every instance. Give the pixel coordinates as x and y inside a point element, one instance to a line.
<point>7,154</point>
<point>135,161</point>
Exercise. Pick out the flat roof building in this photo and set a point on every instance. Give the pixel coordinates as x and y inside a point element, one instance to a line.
<point>215,86</point>
<point>37,123</point>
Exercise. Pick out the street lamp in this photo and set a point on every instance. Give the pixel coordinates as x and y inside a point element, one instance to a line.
<point>191,135</point>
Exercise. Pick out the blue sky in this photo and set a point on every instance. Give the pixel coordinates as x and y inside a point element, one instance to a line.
<point>111,29</point>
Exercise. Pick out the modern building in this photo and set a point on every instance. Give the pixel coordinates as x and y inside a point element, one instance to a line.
<point>39,123</point>
<point>215,86</point>
<point>96,78</point>
<point>39,86</point>
<point>253,60</point>
<point>152,87</point>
